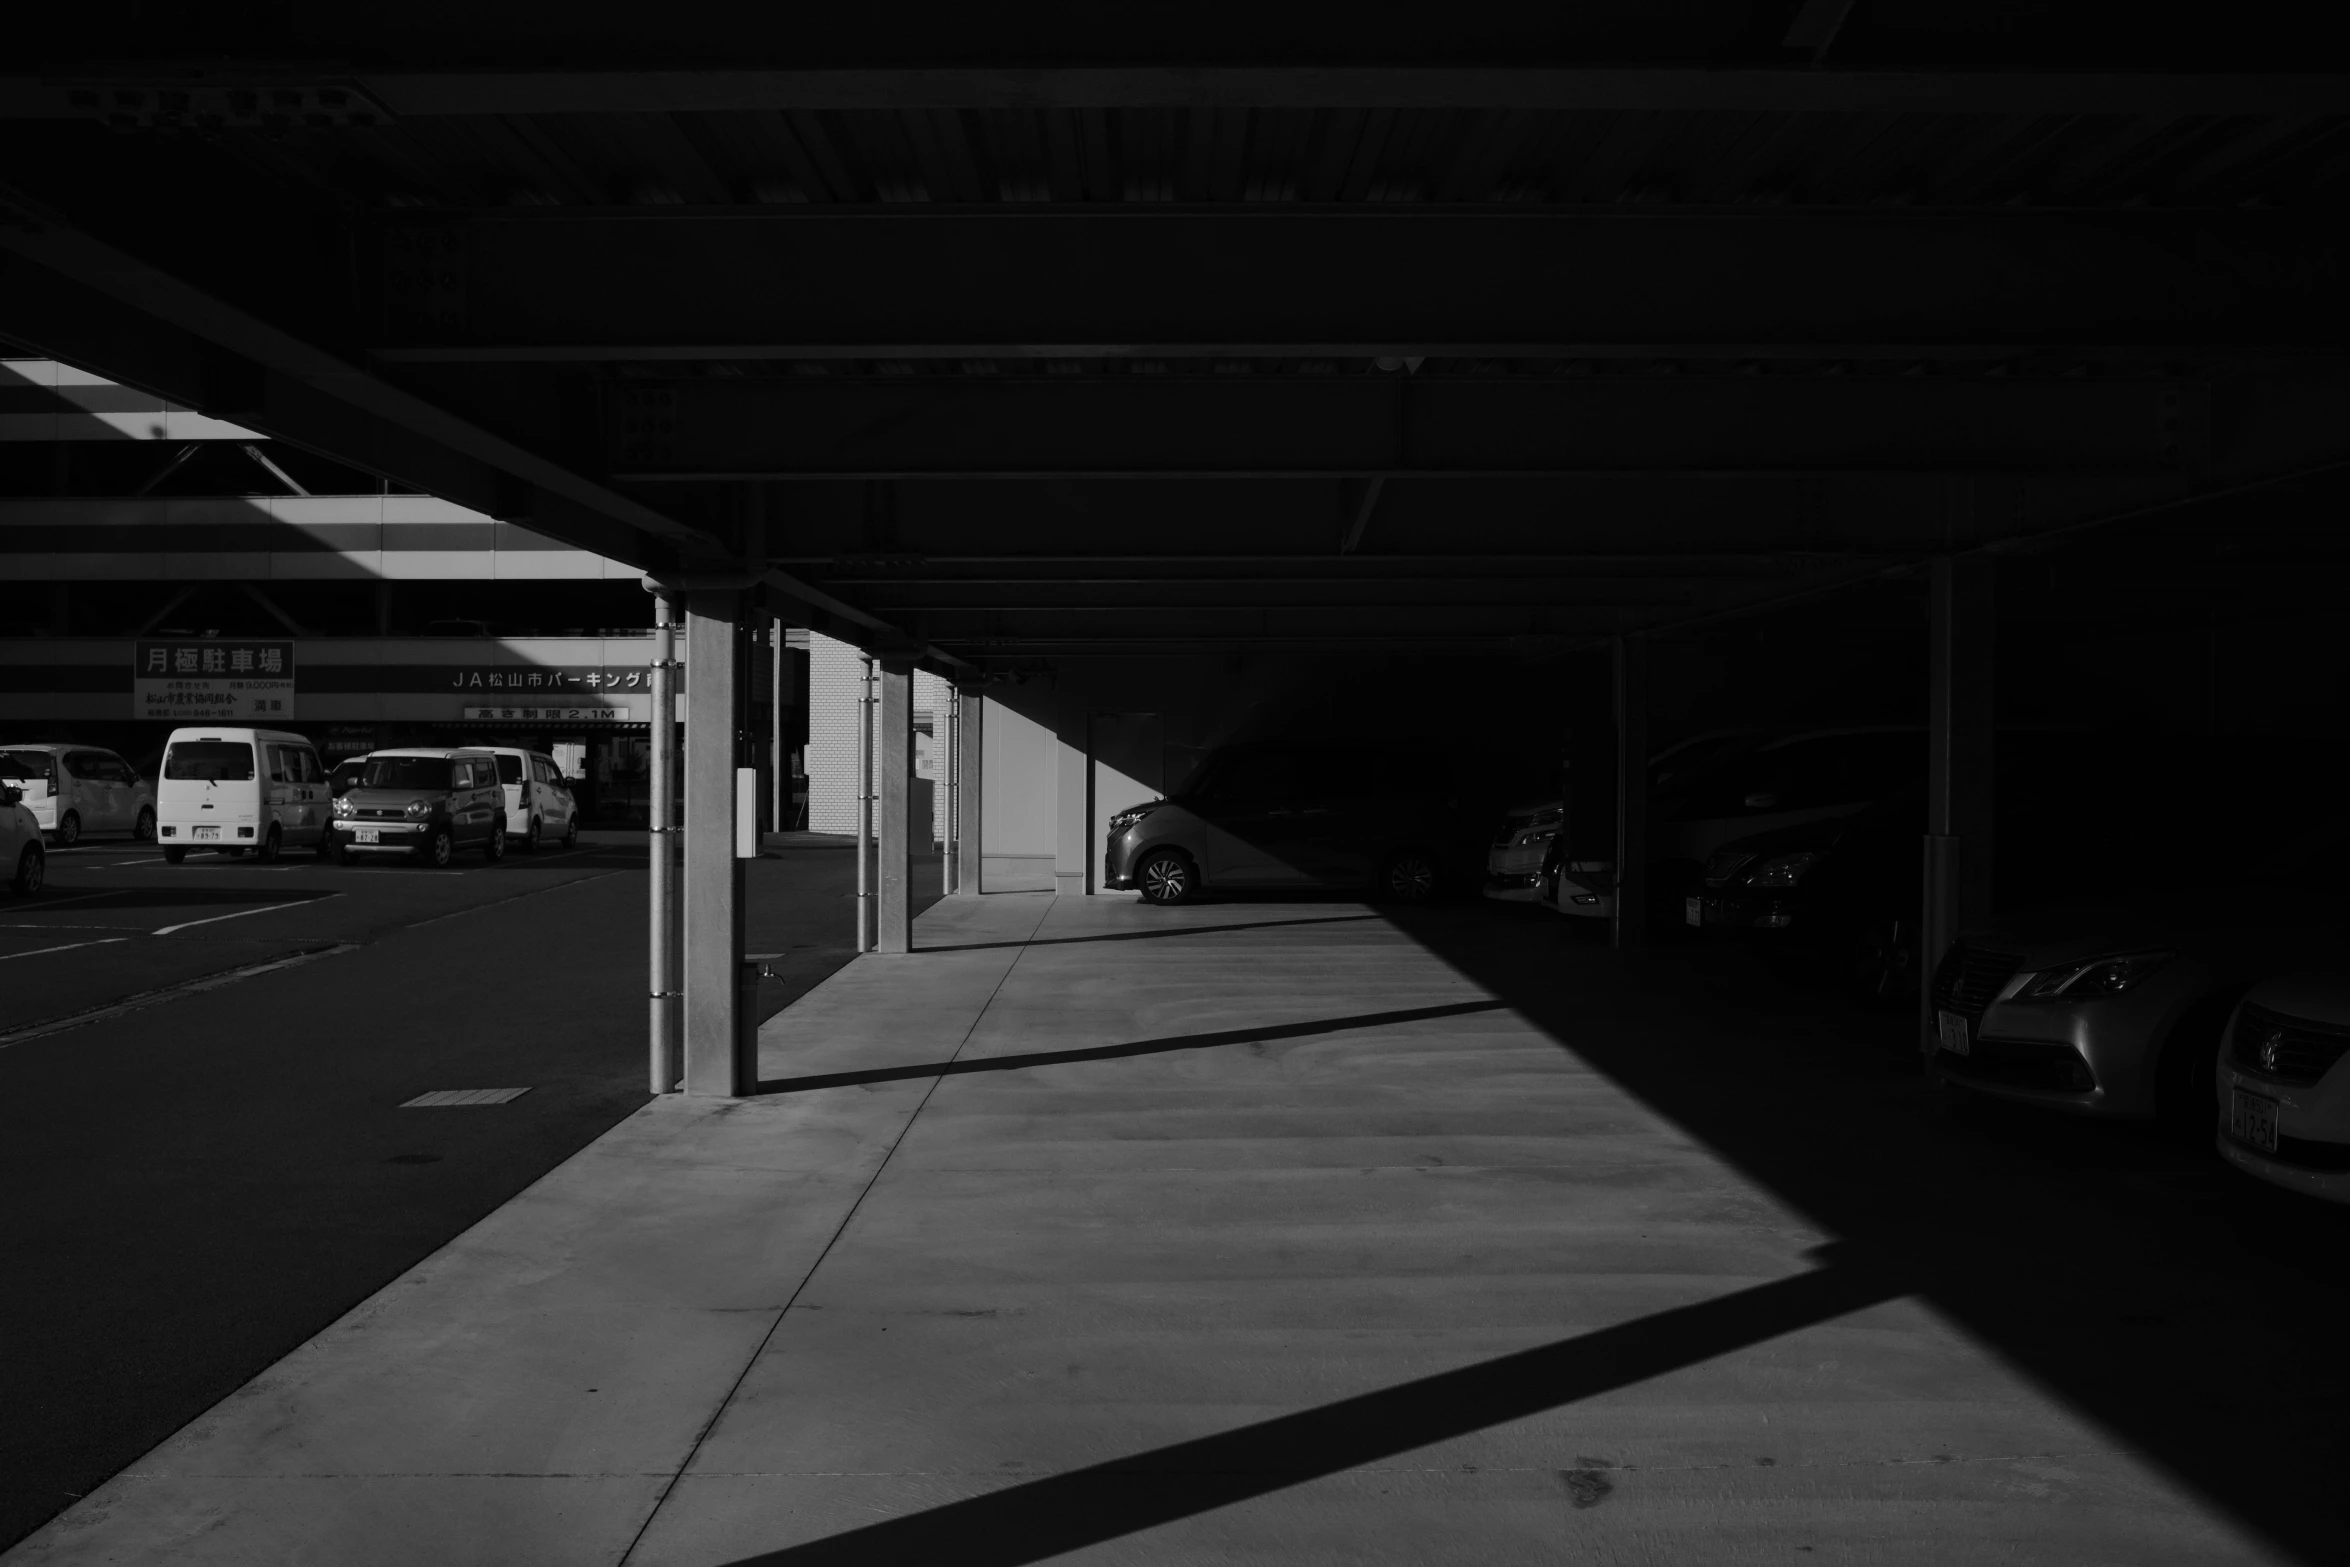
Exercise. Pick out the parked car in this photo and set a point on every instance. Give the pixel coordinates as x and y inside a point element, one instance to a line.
<point>1838,898</point>
<point>344,774</point>
<point>1514,864</point>
<point>2116,1007</point>
<point>426,801</point>
<point>1259,816</point>
<point>1787,782</point>
<point>22,858</point>
<point>1560,852</point>
<point>539,804</point>
<point>235,789</point>
<point>2284,1102</point>
<point>78,790</point>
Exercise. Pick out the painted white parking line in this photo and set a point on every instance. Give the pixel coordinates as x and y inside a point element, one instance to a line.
<point>170,993</point>
<point>68,947</point>
<point>240,914</point>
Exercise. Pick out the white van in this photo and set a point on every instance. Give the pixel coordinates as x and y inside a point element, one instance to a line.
<point>539,806</point>
<point>237,789</point>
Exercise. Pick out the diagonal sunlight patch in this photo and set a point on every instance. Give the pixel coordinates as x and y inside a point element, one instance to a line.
<point>1140,1047</point>
<point>1067,1512</point>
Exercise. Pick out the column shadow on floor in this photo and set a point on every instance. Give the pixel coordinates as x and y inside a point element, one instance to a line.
<point>1067,1512</point>
<point>1139,1047</point>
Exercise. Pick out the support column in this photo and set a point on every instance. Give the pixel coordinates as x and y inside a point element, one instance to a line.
<point>714,1057</point>
<point>1961,720</point>
<point>778,747</point>
<point>865,901</point>
<point>945,755</point>
<point>1630,926</point>
<point>893,765</point>
<point>1072,775</point>
<point>970,713</point>
<point>667,1064</point>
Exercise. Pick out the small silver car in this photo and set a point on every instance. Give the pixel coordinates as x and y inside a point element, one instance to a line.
<point>76,790</point>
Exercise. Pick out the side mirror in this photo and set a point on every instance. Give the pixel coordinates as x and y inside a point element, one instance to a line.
<point>1761,802</point>
<point>10,794</point>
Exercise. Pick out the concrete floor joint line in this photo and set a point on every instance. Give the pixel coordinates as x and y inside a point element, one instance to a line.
<point>760,1349</point>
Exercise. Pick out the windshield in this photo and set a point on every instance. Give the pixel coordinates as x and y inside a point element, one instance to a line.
<point>210,761</point>
<point>406,772</point>
<point>25,764</point>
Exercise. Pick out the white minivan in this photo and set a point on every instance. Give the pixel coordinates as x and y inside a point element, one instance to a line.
<point>238,789</point>
<point>539,806</point>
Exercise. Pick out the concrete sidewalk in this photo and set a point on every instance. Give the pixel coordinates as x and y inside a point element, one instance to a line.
<point>1238,1233</point>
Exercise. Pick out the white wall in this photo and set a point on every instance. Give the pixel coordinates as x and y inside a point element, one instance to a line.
<point>1018,803</point>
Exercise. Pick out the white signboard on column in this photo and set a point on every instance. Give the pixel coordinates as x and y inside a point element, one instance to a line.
<point>213,680</point>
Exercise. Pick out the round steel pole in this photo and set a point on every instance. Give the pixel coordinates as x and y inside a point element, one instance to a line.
<point>865,806</point>
<point>667,1058</point>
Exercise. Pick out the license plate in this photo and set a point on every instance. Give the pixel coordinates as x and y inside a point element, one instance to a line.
<point>1952,1026</point>
<point>2252,1119</point>
<point>370,835</point>
<point>206,834</point>
<point>1694,909</point>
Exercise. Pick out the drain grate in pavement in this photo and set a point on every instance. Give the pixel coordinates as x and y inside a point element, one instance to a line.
<point>442,1098</point>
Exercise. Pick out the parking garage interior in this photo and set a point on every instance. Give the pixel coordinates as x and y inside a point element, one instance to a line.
<point>1933,421</point>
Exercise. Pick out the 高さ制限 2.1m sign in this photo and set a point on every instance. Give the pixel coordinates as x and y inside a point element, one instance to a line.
<point>213,681</point>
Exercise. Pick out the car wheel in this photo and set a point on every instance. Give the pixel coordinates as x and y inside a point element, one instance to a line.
<point>440,848</point>
<point>173,855</point>
<point>1167,877</point>
<point>530,837</point>
<point>1408,877</point>
<point>144,831</point>
<point>493,848</point>
<point>571,833</point>
<point>69,829</point>
<point>32,869</point>
<point>270,846</point>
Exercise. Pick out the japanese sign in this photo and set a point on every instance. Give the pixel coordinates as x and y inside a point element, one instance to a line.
<point>570,683</point>
<point>213,681</point>
<point>584,715</point>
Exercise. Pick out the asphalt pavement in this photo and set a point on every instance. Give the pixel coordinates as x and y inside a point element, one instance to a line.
<point>203,1151</point>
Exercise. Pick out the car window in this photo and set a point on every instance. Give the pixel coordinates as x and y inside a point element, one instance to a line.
<point>408,772</point>
<point>82,764</point>
<point>273,757</point>
<point>110,769</point>
<point>313,771</point>
<point>215,761</point>
<point>541,770</point>
<point>509,769</point>
<point>26,764</point>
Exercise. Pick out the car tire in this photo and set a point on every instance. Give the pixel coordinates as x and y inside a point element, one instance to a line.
<point>530,837</point>
<point>439,849</point>
<point>32,869</point>
<point>69,829</point>
<point>336,852</point>
<point>1167,877</point>
<point>270,845</point>
<point>493,848</point>
<point>144,829</point>
<point>174,855</point>
<point>1409,876</point>
<point>571,833</point>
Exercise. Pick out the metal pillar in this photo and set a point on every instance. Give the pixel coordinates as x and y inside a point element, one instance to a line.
<point>667,1062</point>
<point>1962,718</point>
<point>893,763</point>
<point>715,1063</point>
<point>778,753</point>
<point>865,923</point>
<point>945,757</point>
<point>1630,926</point>
<point>970,712</point>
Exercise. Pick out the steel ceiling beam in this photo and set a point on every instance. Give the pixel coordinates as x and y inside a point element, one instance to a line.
<point>1272,280</point>
<point>65,93</point>
<point>1387,427</point>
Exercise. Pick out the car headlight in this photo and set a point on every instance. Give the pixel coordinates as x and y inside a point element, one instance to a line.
<point>1544,836</point>
<point>344,807</point>
<point>2087,981</point>
<point>1784,871</point>
<point>418,810</point>
<point>1132,814</point>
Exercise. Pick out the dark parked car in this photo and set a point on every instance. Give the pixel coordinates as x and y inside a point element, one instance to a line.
<point>427,802</point>
<point>1386,820</point>
<point>1838,899</point>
